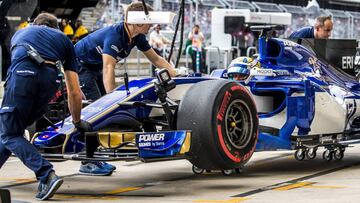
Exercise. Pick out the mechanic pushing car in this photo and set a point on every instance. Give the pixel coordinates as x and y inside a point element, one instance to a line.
<point>321,30</point>
<point>98,54</point>
<point>33,78</point>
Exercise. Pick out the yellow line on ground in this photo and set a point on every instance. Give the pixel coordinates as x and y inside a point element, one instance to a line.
<point>104,196</point>
<point>324,187</point>
<point>18,180</point>
<point>227,201</point>
<point>290,157</point>
<point>121,190</point>
<point>85,197</point>
<point>293,186</point>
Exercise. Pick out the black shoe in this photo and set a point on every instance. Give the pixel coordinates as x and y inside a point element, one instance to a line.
<point>48,189</point>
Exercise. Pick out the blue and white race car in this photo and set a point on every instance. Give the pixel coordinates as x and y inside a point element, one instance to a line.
<point>286,98</point>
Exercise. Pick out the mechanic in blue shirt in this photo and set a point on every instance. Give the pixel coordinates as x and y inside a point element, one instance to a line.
<point>29,86</point>
<point>321,30</point>
<point>98,54</point>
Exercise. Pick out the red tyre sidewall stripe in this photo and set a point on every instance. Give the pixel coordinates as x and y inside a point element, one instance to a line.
<point>219,128</point>
<point>243,89</point>
<point>223,146</point>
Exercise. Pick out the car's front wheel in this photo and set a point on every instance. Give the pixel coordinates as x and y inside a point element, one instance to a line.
<point>223,119</point>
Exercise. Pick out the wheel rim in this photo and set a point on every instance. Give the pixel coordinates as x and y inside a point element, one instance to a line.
<point>238,124</point>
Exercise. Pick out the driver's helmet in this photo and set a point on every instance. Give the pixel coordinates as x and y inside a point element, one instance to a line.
<point>239,68</point>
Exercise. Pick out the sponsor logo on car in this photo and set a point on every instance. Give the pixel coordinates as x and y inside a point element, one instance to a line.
<point>152,137</point>
<point>290,44</point>
<point>261,72</point>
<point>349,62</point>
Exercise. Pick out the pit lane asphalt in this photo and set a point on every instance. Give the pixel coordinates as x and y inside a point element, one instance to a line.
<point>268,177</point>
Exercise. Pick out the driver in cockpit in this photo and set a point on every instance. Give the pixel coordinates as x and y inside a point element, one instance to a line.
<point>239,68</point>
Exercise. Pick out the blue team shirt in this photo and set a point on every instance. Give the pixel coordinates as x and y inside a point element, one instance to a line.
<point>113,40</point>
<point>51,44</point>
<point>305,32</point>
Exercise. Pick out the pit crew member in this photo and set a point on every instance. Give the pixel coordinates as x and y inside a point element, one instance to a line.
<point>321,30</point>
<point>98,54</point>
<point>32,81</point>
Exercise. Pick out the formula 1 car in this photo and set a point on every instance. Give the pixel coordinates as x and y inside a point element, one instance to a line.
<point>210,121</point>
<point>291,99</point>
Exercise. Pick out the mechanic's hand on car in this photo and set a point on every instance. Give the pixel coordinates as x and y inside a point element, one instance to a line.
<point>182,71</point>
<point>83,126</point>
<point>173,72</point>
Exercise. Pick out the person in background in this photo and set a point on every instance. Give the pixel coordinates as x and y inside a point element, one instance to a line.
<point>197,38</point>
<point>66,28</point>
<point>30,84</point>
<point>321,30</point>
<point>80,31</point>
<point>157,41</point>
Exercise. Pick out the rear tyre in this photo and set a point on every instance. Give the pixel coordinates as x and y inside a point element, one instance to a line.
<point>223,119</point>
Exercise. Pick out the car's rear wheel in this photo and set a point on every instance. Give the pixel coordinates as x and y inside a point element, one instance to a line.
<point>223,119</point>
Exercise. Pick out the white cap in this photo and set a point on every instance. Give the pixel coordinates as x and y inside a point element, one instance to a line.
<point>154,17</point>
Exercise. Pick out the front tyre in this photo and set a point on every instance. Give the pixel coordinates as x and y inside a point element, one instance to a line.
<point>223,119</point>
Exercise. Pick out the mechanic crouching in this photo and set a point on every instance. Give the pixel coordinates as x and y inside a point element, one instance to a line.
<point>98,54</point>
<point>38,53</point>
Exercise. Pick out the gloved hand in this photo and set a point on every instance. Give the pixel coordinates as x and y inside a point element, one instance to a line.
<point>182,71</point>
<point>83,126</point>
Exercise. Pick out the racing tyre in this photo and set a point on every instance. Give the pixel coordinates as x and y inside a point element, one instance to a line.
<point>223,119</point>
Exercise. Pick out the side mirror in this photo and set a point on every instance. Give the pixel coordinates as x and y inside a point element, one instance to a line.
<point>165,80</point>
